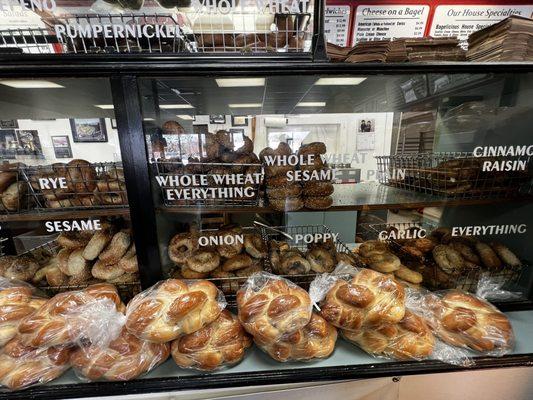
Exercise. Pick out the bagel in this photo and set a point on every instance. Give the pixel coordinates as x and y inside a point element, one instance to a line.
<point>97,244</point>
<point>230,250</point>
<point>77,264</point>
<point>22,268</point>
<point>371,247</point>
<point>287,204</point>
<point>54,277</point>
<point>238,262</point>
<point>128,262</point>
<point>425,245</point>
<point>277,170</point>
<point>255,246</point>
<point>466,252</point>
<point>81,176</point>
<point>73,240</point>
<point>317,164</point>
<point>203,261</point>
<point>277,181</point>
<point>506,255</point>
<point>347,259</point>
<point>413,252</point>
<point>281,192</point>
<point>247,147</point>
<point>104,271</point>
<point>488,256</point>
<point>312,148</point>
<point>317,188</point>
<point>181,247</point>
<point>7,177</point>
<point>283,149</point>
<point>318,203</point>
<point>212,148</point>
<point>408,275</point>
<point>62,259</point>
<point>320,260</point>
<point>248,271</point>
<point>449,260</point>
<point>384,262</point>
<point>116,248</point>
<point>12,196</point>
<point>293,263</point>
<point>224,139</point>
<point>188,273</point>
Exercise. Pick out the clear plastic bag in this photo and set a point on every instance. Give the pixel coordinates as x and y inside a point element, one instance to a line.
<point>173,307</point>
<point>91,315</point>
<point>315,340</point>
<point>17,300</point>
<point>218,345</point>
<point>22,366</point>
<point>351,298</point>
<point>465,320</point>
<point>271,306</point>
<point>492,287</point>
<point>124,358</point>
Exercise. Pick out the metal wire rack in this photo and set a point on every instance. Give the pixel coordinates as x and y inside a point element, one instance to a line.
<point>435,278</point>
<point>207,176</point>
<point>455,175</point>
<point>74,187</point>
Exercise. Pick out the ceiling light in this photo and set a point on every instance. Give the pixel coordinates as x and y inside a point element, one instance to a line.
<point>311,104</point>
<point>240,82</point>
<point>30,84</point>
<point>174,106</point>
<point>185,117</point>
<point>105,106</point>
<point>339,81</point>
<point>244,105</point>
<point>148,119</point>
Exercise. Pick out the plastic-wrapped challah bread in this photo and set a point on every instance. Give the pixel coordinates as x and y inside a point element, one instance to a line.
<point>271,307</point>
<point>315,340</point>
<point>220,344</point>
<point>22,366</point>
<point>464,320</point>
<point>67,317</point>
<point>172,308</point>
<point>122,359</point>
<point>17,300</point>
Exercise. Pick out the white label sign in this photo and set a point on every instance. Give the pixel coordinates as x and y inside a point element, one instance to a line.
<point>461,21</point>
<point>390,22</point>
<point>336,21</point>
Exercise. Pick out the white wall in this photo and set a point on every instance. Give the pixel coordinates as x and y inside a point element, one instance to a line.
<point>93,152</point>
<point>345,140</point>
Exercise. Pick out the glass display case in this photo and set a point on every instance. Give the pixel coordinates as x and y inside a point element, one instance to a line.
<point>64,204</point>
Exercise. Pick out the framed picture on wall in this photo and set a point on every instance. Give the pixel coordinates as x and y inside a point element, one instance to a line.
<point>239,120</point>
<point>88,130</point>
<point>29,143</point>
<point>61,146</point>
<point>217,119</point>
<point>9,124</point>
<point>8,143</point>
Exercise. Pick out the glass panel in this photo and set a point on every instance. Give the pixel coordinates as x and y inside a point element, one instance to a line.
<point>62,194</point>
<point>327,156</point>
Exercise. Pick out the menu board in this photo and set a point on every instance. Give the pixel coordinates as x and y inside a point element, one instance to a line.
<point>337,24</point>
<point>380,22</point>
<point>462,20</point>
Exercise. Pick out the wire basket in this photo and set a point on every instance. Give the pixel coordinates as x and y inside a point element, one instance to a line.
<point>75,187</point>
<point>455,175</point>
<point>203,180</point>
<point>302,280</point>
<point>434,278</point>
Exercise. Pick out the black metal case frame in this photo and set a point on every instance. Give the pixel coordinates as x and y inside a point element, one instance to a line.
<point>123,71</point>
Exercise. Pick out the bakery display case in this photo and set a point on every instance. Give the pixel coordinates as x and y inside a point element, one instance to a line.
<point>65,216</point>
<point>265,216</point>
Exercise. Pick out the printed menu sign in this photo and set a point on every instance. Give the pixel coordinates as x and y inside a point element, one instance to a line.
<point>462,20</point>
<point>336,21</point>
<point>390,22</point>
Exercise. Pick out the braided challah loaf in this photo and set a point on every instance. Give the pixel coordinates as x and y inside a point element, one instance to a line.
<point>172,308</point>
<point>22,366</point>
<point>369,298</point>
<point>54,324</point>
<point>270,306</point>
<point>411,338</point>
<point>15,304</point>
<point>124,359</point>
<point>464,320</point>
<point>315,340</point>
<point>221,343</point>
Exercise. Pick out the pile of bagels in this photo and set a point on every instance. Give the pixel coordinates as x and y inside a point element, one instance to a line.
<point>188,320</point>
<point>78,258</point>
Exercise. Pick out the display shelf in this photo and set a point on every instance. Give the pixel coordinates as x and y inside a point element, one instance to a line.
<point>66,214</point>
<point>347,362</point>
<point>359,197</point>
